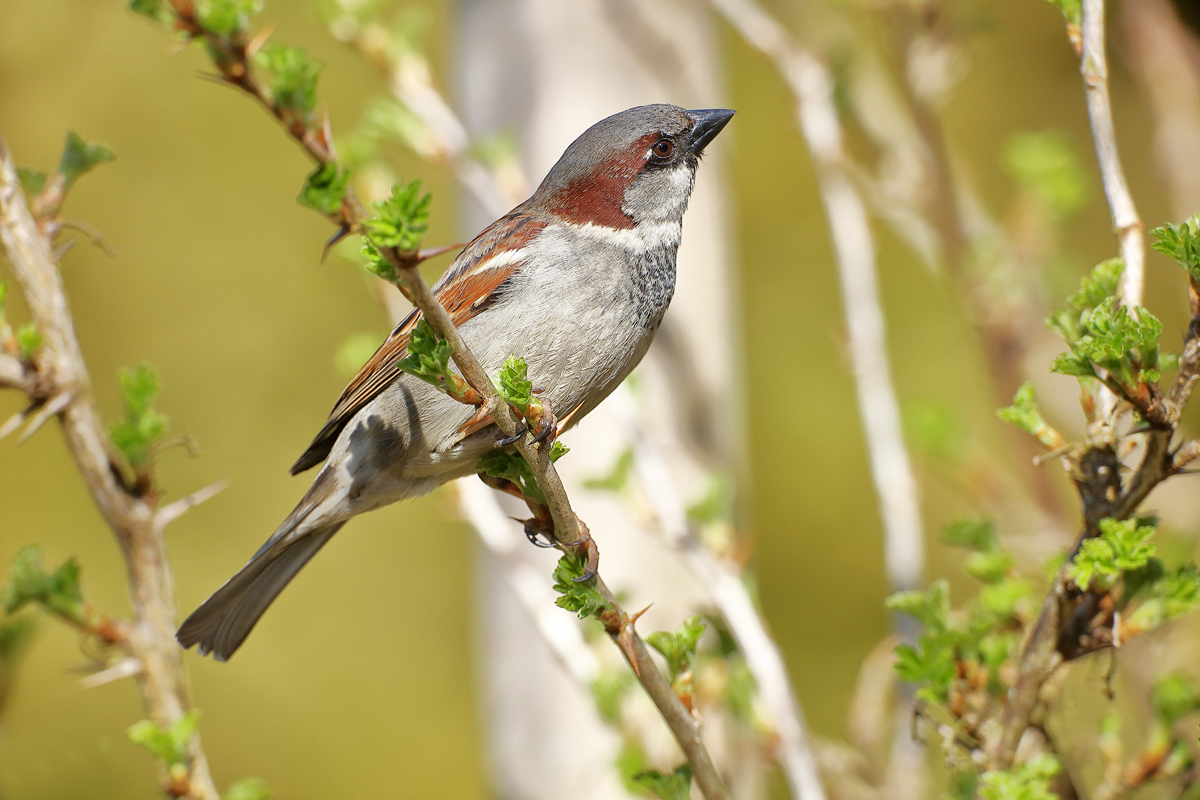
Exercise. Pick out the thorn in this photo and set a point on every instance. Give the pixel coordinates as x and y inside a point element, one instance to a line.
<point>635,617</point>
<point>624,641</point>
<point>125,668</point>
<point>55,405</point>
<point>63,249</point>
<point>94,235</point>
<point>215,77</point>
<point>14,422</point>
<point>340,234</point>
<point>259,40</point>
<point>169,513</point>
<point>434,252</point>
<point>327,135</point>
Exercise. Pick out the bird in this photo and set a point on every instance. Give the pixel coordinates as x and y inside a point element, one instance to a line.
<point>575,280</point>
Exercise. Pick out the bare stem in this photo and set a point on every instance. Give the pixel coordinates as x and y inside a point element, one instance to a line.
<point>61,372</point>
<point>1128,225</point>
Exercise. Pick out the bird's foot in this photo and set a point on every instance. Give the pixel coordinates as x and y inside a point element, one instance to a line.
<point>593,552</point>
<point>505,441</point>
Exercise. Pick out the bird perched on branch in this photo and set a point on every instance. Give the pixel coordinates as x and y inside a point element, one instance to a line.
<point>575,280</point>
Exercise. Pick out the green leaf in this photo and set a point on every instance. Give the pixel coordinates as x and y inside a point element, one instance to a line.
<point>557,451</point>
<point>989,567</point>
<point>514,385</point>
<point>168,744</point>
<point>377,263</point>
<point>675,785</point>
<point>935,427</point>
<point>135,435</point>
<point>1024,414</point>
<point>1182,243</point>
<point>974,534</point>
<point>581,597</point>
<point>248,789</point>
<point>931,607</point>
<point>1100,284</point>
<point>79,157</point>
<point>32,180</point>
<point>227,17</point>
<point>617,477</point>
<point>156,10</point>
<point>714,505</point>
<point>1121,546</point>
<point>294,75</point>
<point>1030,781</point>
<point>429,359</point>
<point>1114,338</point>
<point>403,218</point>
<point>511,467</point>
<point>999,600</point>
<point>609,690</point>
<point>1174,696</point>
<point>1072,10</point>
<point>930,665</point>
<point>679,648</point>
<point>58,592</point>
<point>28,340</point>
<point>1046,166</point>
<point>1171,595</point>
<point>325,189</point>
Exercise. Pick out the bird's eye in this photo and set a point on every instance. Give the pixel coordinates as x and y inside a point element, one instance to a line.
<point>663,148</point>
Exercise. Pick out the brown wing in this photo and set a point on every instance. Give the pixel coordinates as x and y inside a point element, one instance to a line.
<point>474,281</point>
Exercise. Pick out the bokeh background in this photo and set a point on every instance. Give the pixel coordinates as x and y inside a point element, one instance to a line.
<point>360,681</point>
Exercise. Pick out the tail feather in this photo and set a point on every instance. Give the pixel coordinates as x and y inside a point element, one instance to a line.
<point>223,621</point>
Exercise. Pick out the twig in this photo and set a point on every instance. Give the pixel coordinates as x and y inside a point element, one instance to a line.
<point>729,593</point>
<point>169,513</point>
<point>817,118</point>
<point>1128,225</point>
<point>558,630</point>
<point>62,374</point>
<point>567,531</point>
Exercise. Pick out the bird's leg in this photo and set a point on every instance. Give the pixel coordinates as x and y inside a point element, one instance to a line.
<point>593,553</point>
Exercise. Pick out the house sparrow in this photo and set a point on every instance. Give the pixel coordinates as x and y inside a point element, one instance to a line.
<point>575,280</point>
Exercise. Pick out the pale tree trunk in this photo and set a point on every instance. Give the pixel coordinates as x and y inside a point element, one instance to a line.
<point>543,71</point>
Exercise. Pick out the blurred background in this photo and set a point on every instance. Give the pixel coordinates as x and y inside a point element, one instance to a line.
<point>362,678</point>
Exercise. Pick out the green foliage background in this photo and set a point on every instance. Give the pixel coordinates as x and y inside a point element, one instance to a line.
<point>365,666</point>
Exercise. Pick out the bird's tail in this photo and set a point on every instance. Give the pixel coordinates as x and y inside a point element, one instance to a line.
<point>223,621</point>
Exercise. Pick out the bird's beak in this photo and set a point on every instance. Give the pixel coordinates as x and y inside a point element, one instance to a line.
<point>708,122</point>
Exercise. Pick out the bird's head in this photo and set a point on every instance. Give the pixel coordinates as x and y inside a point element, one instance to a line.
<point>633,167</point>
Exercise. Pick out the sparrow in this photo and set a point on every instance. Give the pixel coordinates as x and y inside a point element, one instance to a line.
<point>575,280</point>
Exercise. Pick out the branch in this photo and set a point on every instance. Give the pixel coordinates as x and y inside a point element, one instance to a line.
<point>567,530</point>
<point>817,118</point>
<point>723,581</point>
<point>1128,225</point>
<point>61,373</point>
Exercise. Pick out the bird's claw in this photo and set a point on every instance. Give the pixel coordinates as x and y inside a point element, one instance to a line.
<point>534,533</point>
<point>516,437</point>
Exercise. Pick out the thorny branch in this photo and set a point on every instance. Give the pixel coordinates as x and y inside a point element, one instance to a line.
<point>566,529</point>
<point>57,380</point>
<point>1055,636</point>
